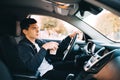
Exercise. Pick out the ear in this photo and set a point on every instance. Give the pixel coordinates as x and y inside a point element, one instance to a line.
<point>24,31</point>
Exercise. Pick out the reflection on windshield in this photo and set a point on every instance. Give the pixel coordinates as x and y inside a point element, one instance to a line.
<point>106,23</point>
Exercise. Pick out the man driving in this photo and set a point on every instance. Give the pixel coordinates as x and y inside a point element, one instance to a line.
<point>33,51</point>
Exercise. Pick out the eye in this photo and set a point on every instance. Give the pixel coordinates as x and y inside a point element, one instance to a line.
<point>34,27</point>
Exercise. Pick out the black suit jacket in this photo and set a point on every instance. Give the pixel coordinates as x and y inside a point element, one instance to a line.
<point>33,59</point>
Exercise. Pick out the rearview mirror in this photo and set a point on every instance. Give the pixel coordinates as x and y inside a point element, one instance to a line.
<point>84,6</point>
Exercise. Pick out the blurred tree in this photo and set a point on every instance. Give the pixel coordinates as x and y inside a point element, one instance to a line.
<point>52,24</point>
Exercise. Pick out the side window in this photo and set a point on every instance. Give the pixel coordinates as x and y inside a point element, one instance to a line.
<point>53,28</point>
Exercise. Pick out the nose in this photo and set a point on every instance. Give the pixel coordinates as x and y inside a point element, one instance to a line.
<point>37,30</point>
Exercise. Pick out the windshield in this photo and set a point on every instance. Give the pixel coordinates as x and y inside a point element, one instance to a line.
<point>105,22</point>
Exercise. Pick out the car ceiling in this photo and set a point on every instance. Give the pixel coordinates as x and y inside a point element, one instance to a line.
<point>23,8</point>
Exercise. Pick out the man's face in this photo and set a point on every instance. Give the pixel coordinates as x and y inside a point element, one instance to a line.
<point>32,32</point>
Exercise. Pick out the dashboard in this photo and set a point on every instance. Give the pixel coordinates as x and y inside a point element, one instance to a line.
<point>100,56</point>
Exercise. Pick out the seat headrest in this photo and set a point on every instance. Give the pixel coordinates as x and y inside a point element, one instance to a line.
<point>9,25</point>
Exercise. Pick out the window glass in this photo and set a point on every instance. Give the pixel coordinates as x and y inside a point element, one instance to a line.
<point>53,28</point>
<point>106,23</point>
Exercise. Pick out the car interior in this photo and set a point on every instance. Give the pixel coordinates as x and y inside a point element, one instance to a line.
<point>97,57</point>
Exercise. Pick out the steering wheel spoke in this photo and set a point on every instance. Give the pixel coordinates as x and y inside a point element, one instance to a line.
<point>69,48</point>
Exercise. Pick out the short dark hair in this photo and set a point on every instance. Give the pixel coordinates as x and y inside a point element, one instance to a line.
<point>25,23</point>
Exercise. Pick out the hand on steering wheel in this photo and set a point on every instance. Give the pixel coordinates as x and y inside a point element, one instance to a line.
<point>69,48</point>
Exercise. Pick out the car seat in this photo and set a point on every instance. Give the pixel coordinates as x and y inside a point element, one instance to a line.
<point>4,72</point>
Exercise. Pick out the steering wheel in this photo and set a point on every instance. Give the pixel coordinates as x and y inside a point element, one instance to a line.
<point>69,48</point>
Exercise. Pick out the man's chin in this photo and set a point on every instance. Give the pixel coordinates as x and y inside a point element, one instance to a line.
<point>37,38</point>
